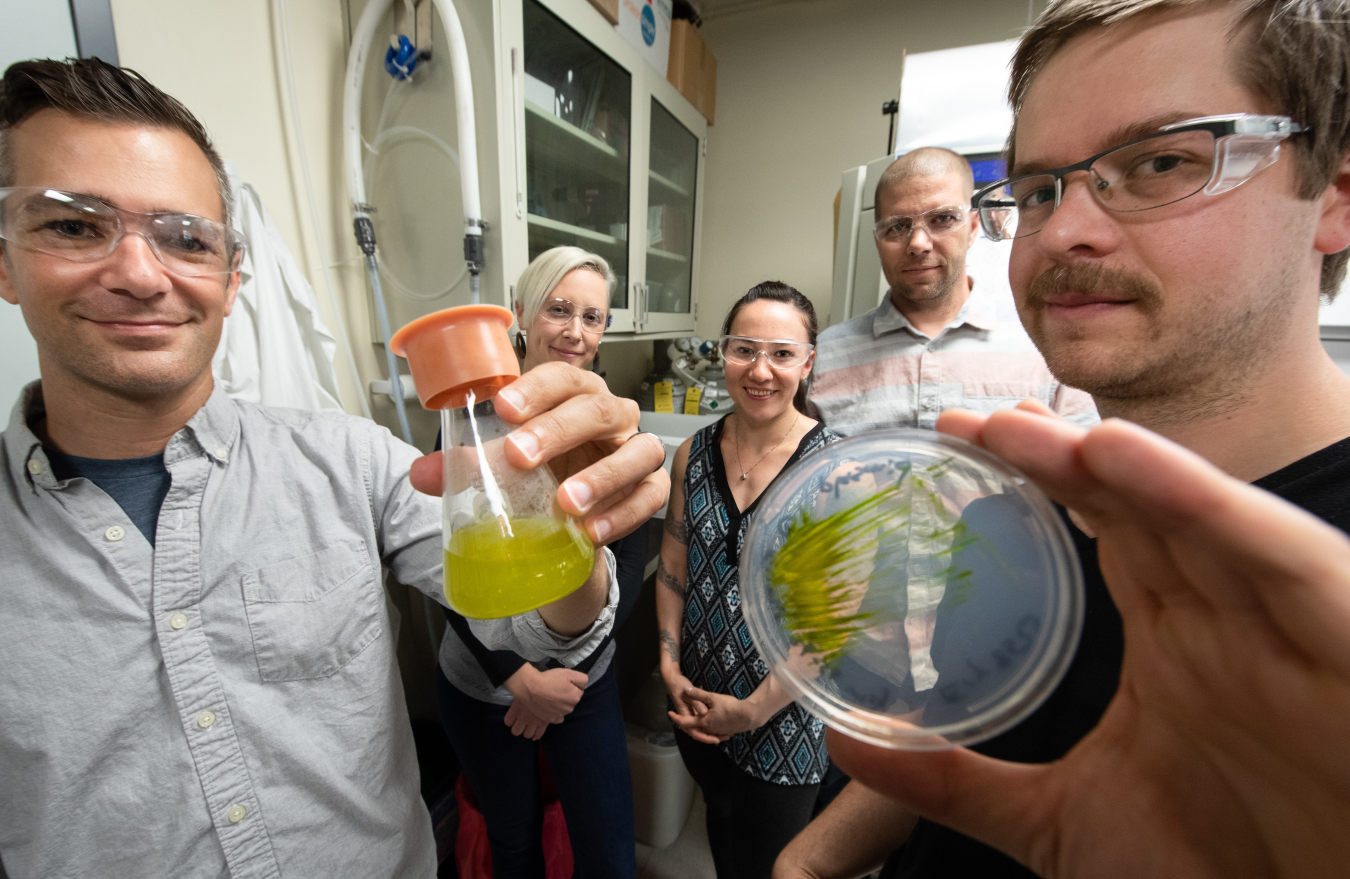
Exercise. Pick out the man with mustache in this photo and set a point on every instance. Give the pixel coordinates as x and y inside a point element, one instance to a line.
<point>1179,206</point>
<point>939,339</point>
<point>197,668</point>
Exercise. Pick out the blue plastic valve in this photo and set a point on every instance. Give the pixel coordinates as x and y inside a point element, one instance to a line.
<point>400,63</point>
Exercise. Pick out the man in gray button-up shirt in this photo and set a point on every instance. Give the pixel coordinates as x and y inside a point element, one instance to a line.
<point>215,693</point>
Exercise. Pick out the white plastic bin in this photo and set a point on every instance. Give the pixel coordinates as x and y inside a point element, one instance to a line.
<point>663,790</point>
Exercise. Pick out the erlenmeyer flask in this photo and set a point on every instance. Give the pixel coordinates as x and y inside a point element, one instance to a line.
<point>509,547</point>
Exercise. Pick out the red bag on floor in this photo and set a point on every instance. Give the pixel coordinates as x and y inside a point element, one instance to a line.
<point>473,854</point>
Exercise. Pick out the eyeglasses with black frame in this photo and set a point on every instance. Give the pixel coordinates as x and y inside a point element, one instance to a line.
<point>82,228</point>
<point>594,321</point>
<point>778,353</point>
<point>1209,154</point>
<point>938,221</point>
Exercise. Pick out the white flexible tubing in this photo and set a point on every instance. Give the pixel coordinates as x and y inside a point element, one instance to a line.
<point>291,118</point>
<point>351,99</point>
<point>464,108</point>
<point>464,118</point>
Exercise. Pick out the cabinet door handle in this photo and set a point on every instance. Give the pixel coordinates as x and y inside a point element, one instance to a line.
<point>518,125</point>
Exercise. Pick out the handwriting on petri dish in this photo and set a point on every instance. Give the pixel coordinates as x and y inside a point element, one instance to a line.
<point>956,686</point>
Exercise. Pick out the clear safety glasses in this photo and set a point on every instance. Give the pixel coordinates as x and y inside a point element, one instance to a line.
<point>1211,154</point>
<point>778,353</point>
<point>938,221</point>
<point>82,228</point>
<point>560,311</point>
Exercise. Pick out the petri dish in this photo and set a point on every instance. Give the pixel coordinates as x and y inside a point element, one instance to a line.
<point>911,589</point>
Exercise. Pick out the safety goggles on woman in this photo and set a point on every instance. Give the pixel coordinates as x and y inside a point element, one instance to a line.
<point>561,311</point>
<point>1210,154</point>
<point>82,228</point>
<point>778,353</point>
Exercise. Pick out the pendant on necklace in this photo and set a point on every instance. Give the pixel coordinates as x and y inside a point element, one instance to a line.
<point>743,475</point>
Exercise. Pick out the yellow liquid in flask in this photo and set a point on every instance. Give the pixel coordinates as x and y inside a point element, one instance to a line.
<point>488,576</point>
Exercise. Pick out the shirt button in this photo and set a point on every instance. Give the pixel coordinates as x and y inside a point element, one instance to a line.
<point>34,466</point>
<point>205,719</point>
<point>114,533</point>
<point>932,347</point>
<point>236,813</point>
<point>177,621</point>
<point>222,452</point>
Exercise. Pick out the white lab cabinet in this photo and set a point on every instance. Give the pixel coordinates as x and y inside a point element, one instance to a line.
<point>603,153</point>
<point>580,142</point>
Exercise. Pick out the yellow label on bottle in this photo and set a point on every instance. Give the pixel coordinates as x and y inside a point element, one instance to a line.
<point>691,399</point>
<point>665,397</point>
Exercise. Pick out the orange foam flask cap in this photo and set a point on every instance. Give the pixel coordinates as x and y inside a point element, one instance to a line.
<point>458,350</point>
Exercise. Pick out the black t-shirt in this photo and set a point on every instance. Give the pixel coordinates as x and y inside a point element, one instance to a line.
<point>139,485</point>
<point>1319,483</point>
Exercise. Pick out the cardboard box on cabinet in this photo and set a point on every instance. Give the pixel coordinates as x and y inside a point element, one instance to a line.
<point>692,69</point>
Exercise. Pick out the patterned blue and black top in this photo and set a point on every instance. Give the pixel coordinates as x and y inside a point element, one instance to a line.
<point>716,652</point>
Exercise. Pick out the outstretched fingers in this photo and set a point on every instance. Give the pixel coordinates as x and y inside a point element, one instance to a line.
<point>1237,546</point>
<point>606,495</point>
<point>559,407</point>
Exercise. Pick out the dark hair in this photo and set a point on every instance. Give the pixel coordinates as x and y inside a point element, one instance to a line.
<point>97,90</point>
<point>777,291</point>
<point>1293,54</point>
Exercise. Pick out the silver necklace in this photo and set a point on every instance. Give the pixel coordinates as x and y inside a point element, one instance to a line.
<point>737,439</point>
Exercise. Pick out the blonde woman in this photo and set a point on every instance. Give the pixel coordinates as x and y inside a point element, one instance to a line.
<point>498,709</point>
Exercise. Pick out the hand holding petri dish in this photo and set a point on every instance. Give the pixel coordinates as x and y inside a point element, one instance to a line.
<point>912,590</point>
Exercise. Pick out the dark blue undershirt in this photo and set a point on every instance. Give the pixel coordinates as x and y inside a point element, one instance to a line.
<point>139,485</point>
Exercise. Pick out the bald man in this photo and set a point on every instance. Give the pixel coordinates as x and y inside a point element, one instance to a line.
<point>936,341</point>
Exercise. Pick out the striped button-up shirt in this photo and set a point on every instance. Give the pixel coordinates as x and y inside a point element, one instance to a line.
<point>226,703</point>
<point>878,370</point>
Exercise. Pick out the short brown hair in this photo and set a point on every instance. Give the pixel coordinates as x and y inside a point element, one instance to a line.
<point>1296,58</point>
<point>97,90</point>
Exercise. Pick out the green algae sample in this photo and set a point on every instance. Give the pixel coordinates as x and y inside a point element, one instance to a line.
<point>822,571</point>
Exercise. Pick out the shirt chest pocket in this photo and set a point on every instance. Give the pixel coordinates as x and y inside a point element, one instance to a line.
<point>989,397</point>
<point>309,616</point>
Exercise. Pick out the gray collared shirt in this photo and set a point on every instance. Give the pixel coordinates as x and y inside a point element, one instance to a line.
<point>226,703</point>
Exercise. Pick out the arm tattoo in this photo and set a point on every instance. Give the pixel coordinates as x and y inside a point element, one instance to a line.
<point>667,579</point>
<point>668,644</point>
<point>675,528</point>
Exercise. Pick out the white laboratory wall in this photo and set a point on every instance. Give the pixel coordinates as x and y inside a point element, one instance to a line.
<point>225,62</point>
<point>1335,319</point>
<point>28,29</point>
<point>799,94</point>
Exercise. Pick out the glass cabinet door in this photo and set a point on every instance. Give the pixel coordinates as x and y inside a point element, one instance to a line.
<point>577,115</point>
<point>673,167</point>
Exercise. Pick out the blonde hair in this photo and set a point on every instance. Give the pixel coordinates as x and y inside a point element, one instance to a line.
<point>545,272</point>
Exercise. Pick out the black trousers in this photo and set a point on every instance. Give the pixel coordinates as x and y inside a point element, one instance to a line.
<point>749,821</point>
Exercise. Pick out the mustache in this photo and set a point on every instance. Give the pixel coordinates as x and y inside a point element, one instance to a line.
<point>1092,280</point>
